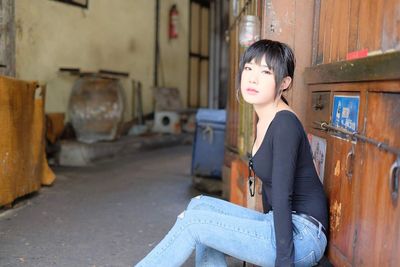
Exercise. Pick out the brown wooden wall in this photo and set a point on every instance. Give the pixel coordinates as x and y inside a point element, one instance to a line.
<point>364,218</point>
<point>240,116</point>
<point>287,21</point>
<point>282,20</point>
<point>351,25</point>
<point>291,22</point>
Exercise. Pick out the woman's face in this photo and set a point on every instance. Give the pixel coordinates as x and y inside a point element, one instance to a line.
<point>257,83</point>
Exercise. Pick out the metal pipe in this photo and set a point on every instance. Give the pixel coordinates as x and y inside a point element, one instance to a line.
<point>356,136</point>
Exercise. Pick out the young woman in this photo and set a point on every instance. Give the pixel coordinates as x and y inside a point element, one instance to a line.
<point>291,232</point>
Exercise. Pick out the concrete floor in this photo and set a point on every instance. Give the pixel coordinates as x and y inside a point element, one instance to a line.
<point>108,214</point>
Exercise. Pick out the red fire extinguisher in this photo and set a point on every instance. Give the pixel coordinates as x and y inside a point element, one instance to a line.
<point>173,22</point>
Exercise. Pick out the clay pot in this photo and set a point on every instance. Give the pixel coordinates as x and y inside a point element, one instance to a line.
<point>96,108</point>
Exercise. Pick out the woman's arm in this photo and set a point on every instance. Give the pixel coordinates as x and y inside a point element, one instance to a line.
<point>285,144</point>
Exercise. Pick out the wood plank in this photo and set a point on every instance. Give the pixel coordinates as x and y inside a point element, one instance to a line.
<point>264,20</point>
<point>280,21</point>
<point>376,25</point>
<point>328,31</point>
<point>379,216</point>
<point>335,29</point>
<point>337,258</point>
<point>372,68</point>
<point>321,32</point>
<point>231,94</point>
<point>391,28</point>
<point>364,24</point>
<point>353,25</point>
<point>344,29</point>
<point>376,86</point>
<point>297,97</point>
<point>316,28</point>
<point>235,134</point>
<point>233,105</point>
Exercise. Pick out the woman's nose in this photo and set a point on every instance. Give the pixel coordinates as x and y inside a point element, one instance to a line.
<point>253,78</point>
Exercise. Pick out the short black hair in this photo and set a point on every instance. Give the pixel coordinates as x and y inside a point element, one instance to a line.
<point>278,56</point>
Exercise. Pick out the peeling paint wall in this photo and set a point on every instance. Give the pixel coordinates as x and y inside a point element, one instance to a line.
<point>114,35</point>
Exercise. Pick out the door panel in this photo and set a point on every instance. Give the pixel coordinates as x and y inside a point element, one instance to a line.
<point>379,217</point>
<point>342,201</point>
<point>343,186</point>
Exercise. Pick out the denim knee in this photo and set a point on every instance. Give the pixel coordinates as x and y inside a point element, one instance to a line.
<point>194,201</point>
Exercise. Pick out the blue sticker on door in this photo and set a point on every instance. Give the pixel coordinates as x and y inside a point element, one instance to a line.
<point>345,112</point>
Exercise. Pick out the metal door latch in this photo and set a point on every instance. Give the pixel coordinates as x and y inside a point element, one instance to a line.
<point>394,179</point>
<point>350,162</point>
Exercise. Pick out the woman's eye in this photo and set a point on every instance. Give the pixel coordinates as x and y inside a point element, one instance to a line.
<point>247,68</point>
<point>266,72</point>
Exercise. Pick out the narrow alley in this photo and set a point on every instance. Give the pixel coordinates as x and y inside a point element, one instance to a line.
<point>114,115</point>
<point>101,215</point>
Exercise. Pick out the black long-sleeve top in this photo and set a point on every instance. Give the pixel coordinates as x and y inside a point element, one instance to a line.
<point>290,182</point>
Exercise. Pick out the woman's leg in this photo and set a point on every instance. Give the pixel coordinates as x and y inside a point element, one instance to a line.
<point>223,207</point>
<point>207,256</point>
<point>242,238</point>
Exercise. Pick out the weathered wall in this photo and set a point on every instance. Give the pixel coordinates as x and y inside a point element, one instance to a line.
<point>174,53</point>
<point>114,35</point>
<point>7,38</point>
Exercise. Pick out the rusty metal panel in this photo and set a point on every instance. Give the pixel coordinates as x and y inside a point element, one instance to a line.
<point>23,160</point>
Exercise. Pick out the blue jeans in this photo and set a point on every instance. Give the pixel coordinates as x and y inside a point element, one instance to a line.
<point>215,227</point>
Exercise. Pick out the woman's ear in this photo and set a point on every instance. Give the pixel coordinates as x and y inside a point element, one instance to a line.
<point>285,83</point>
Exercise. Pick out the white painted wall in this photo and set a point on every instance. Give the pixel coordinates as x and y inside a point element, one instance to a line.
<point>174,70</point>
<point>116,35</point>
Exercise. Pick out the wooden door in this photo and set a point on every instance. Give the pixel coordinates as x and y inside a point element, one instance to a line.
<point>341,183</point>
<point>378,233</point>
<point>343,177</point>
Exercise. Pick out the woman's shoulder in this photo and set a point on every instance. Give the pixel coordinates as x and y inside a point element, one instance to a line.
<point>285,124</point>
<point>287,117</point>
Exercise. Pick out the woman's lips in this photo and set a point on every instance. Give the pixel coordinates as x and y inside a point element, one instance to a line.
<point>251,91</point>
